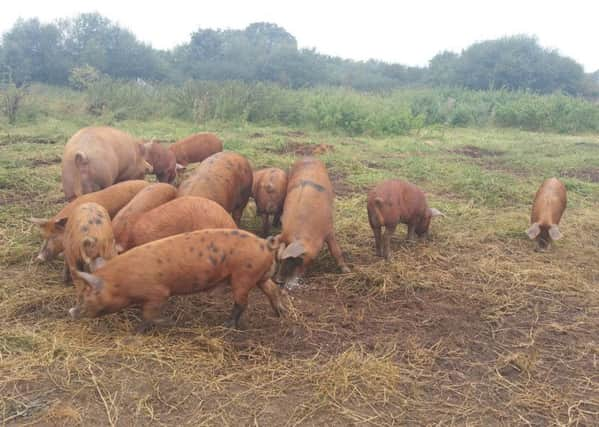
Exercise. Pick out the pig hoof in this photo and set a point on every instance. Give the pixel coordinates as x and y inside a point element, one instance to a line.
<point>144,327</point>
<point>74,312</point>
<point>230,324</point>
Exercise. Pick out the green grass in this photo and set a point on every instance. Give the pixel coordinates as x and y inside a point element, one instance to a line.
<point>471,327</point>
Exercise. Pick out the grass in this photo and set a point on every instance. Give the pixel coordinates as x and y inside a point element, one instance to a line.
<point>470,328</point>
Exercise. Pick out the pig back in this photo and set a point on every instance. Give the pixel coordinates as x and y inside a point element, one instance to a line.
<point>549,203</point>
<point>196,147</point>
<point>224,177</point>
<point>147,199</point>
<point>269,200</point>
<point>308,207</point>
<point>183,214</point>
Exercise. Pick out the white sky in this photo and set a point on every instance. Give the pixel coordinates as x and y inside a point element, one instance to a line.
<point>408,32</point>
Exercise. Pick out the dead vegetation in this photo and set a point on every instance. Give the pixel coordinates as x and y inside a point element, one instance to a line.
<point>469,328</point>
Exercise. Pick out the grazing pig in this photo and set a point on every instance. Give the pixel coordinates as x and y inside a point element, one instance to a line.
<point>178,265</point>
<point>269,190</point>
<point>394,201</point>
<point>307,221</point>
<point>180,215</point>
<point>88,241</point>
<point>112,199</point>
<point>163,162</point>
<point>225,178</point>
<point>147,199</point>
<point>196,148</point>
<point>97,157</point>
<point>547,209</point>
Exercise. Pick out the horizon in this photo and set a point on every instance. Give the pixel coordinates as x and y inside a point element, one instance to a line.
<point>381,38</point>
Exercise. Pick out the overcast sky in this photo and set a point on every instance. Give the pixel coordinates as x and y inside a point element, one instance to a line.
<point>408,32</point>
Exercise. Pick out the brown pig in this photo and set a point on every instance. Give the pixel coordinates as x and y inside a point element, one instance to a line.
<point>269,190</point>
<point>163,161</point>
<point>180,215</point>
<point>223,177</point>
<point>179,265</point>
<point>196,148</point>
<point>395,201</point>
<point>147,199</point>
<point>97,157</point>
<point>112,199</point>
<point>547,209</point>
<point>307,221</point>
<point>88,241</point>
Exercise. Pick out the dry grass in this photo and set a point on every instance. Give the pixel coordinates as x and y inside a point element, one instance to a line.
<point>469,328</point>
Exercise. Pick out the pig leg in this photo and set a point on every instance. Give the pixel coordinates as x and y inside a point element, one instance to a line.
<point>378,240</point>
<point>151,315</point>
<point>273,294</point>
<point>389,230</point>
<point>335,251</point>
<point>241,287</point>
<point>276,221</point>
<point>265,224</point>
<point>411,232</point>
<point>66,273</point>
<point>236,214</point>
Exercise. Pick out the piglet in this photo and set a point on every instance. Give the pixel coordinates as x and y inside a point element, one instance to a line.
<point>88,241</point>
<point>178,265</point>
<point>269,190</point>
<point>395,201</point>
<point>196,148</point>
<point>547,210</point>
<point>163,161</point>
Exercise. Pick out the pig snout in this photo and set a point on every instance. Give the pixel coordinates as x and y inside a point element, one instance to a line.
<point>75,312</point>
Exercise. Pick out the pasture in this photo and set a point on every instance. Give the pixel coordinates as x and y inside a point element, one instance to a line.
<point>469,328</point>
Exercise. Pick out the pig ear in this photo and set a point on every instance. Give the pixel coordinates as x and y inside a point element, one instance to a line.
<point>294,250</point>
<point>61,222</point>
<point>39,221</point>
<point>179,167</point>
<point>436,212</point>
<point>93,281</point>
<point>554,232</point>
<point>533,231</point>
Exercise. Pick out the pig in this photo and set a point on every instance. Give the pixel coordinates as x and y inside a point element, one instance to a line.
<point>180,215</point>
<point>269,190</point>
<point>147,199</point>
<point>307,221</point>
<point>97,157</point>
<point>112,199</point>
<point>88,241</point>
<point>196,148</point>
<point>547,210</point>
<point>394,201</point>
<point>163,162</point>
<point>223,177</point>
<point>178,265</point>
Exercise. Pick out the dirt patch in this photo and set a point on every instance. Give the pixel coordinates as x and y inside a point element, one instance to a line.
<point>301,149</point>
<point>476,152</point>
<point>587,174</point>
<point>341,187</point>
<point>295,133</point>
<point>257,135</point>
<point>587,145</point>
<point>19,139</point>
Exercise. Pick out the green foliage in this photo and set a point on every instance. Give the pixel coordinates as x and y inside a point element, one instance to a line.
<point>83,77</point>
<point>10,100</point>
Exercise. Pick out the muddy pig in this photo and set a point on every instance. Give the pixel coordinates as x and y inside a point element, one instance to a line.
<point>547,209</point>
<point>269,190</point>
<point>395,201</point>
<point>178,265</point>
<point>196,148</point>
<point>147,199</point>
<point>307,221</point>
<point>223,177</point>
<point>97,157</point>
<point>180,215</point>
<point>163,161</point>
<point>112,199</point>
<point>88,241</point>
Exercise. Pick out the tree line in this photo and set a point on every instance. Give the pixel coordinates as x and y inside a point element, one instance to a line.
<point>89,46</point>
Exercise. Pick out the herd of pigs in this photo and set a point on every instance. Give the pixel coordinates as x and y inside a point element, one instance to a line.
<point>126,241</point>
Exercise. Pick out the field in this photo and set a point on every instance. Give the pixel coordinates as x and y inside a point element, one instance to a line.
<point>471,327</point>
